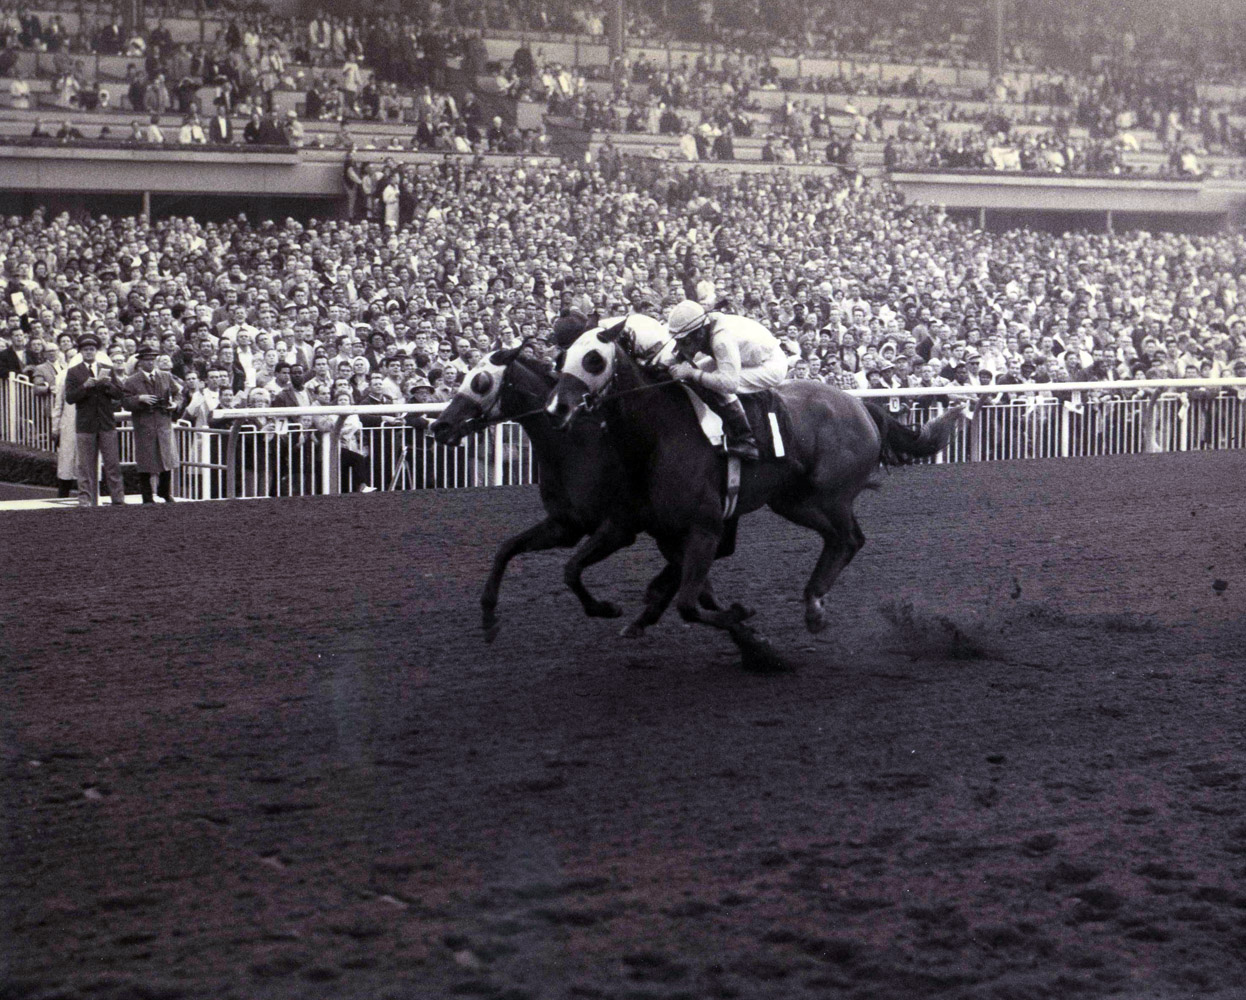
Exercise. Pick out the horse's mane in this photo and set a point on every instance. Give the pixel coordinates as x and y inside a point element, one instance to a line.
<point>515,356</point>
<point>644,372</point>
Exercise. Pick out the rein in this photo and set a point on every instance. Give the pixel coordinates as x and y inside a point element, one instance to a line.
<point>591,401</point>
<point>628,392</point>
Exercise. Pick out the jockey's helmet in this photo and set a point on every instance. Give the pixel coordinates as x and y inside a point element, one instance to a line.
<point>685,319</point>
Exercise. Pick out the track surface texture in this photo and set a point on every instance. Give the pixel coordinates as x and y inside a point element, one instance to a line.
<point>259,750</point>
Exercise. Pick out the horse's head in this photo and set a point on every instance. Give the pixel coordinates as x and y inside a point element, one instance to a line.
<point>478,401</point>
<point>587,371</point>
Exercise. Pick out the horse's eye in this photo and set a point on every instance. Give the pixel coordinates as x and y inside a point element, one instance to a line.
<point>482,383</point>
<point>594,363</point>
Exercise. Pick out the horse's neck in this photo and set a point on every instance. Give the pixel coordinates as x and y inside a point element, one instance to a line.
<point>637,418</point>
<point>549,446</point>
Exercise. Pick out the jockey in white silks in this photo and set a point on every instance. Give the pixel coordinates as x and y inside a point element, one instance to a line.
<point>743,357</point>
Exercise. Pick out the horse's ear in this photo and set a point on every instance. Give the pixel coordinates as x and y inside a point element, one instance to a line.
<point>506,357</point>
<point>612,333</point>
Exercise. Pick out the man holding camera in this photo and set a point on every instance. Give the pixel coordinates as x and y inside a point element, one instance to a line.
<point>153,398</point>
<point>94,390</point>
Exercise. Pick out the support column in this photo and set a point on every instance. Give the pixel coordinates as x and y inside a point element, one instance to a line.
<point>614,33</point>
<point>997,37</point>
<point>146,210</point>
<point>982,218</point>
<point>1109,221</point>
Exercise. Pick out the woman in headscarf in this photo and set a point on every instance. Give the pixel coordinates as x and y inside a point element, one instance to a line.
<point>355,471</point>
<point>359,368</point>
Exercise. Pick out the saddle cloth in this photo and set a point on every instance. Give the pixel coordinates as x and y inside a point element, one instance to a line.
<point>767,415</point>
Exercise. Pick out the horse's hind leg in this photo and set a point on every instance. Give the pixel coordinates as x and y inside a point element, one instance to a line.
<point>548,534</point>
<point>842,538</point>
<point>658,596</point>
<point>605,541</point>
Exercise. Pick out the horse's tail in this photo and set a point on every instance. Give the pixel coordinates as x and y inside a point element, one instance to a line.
<point>902,445</point>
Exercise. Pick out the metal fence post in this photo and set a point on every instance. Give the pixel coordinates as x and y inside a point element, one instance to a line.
<point>498,452</point>
<point>231,459</point>
<point>1149,443</point>
<point>975,432</point>
<point>203,448</point>
<point>10,409</point>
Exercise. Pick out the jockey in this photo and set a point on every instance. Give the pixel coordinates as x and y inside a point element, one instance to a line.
<point>743,357</point>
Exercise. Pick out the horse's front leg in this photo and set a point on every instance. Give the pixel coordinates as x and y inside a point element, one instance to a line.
<point>548,534</point>
<point>756,654</point>
<point>605,541</point>
<point>690,599</point>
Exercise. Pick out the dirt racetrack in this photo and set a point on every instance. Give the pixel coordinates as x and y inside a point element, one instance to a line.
<point>258,750</point>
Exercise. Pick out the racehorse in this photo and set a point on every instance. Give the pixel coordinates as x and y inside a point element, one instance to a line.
<point>584,489</point>
<point>836,443</point>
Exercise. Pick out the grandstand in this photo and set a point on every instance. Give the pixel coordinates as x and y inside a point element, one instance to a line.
<point>889,195</point>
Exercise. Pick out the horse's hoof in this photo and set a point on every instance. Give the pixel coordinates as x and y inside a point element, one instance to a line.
<point>737,613</point>
<point>815,620</point>
<point>604,609</point>
<point>632,631</point>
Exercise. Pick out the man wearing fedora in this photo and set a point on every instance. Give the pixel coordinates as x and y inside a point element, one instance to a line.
<point>94,390</point>
<point>153,398</point>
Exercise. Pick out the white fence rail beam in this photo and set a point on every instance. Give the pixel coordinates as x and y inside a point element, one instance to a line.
<point>300,451</point>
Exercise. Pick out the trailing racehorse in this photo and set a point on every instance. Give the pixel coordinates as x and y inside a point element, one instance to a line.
<point>584,489</point>
<point>836,444</point>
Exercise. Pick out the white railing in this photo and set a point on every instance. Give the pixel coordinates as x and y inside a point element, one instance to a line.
<point>25,413</point>
<point>269,452</point>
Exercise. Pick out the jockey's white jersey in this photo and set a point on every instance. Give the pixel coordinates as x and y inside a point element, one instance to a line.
<point>746,357</point>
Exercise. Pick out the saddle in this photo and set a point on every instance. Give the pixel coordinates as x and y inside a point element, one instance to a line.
<point>767,415</point>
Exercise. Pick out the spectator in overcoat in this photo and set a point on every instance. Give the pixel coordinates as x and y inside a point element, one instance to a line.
<point>153,398</point>
<point>93,389</point>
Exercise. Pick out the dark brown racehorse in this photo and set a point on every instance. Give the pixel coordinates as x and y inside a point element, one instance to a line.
<point>837,443</point>
<point>587,496</point>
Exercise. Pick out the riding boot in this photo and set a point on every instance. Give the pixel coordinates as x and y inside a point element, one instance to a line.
<point>740,440</point>
<point>165,490</point>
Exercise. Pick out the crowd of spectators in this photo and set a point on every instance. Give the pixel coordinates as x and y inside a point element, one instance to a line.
<point>1052,153</point>
<point>862,289</point>
<point>389,67</point>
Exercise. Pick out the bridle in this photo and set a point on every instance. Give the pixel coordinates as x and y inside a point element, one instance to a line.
<point>592,399</point>
<point>487,419</point>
